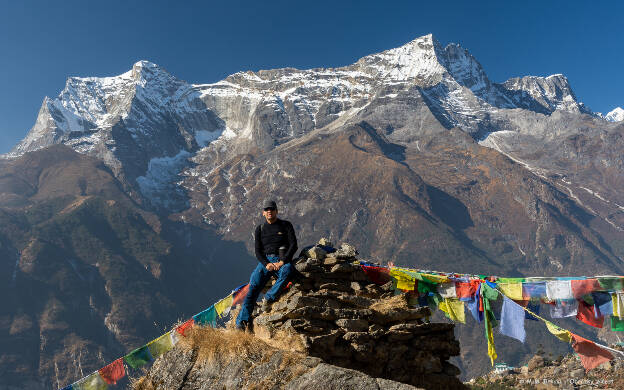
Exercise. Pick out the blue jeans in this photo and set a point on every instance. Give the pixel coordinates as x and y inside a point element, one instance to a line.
<point>259,277</point>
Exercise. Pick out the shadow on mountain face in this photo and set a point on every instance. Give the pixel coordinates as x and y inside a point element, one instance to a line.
<point>449,209</point>
<point>390,150</point>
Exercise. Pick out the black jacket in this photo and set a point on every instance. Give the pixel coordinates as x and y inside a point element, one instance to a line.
<point>270,237</point>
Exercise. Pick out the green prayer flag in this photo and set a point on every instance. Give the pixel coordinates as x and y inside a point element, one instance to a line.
<point>488,292</point>
<point>611,283</point>
<point>617,324</point>
<point>138,357</point>
<point>160,345</point>
<point>207,317</point>
<point>510,280</point>
<point>434,301</point>
<point>426,287</point>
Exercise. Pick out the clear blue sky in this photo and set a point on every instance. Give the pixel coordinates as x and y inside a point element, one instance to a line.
<point>44,42</point>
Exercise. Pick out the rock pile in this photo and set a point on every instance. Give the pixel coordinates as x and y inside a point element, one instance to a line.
<point>332,311</point>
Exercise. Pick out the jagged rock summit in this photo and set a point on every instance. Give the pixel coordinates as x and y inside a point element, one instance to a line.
<point>332,329</point>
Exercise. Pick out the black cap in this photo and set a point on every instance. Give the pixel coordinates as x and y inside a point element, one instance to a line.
<point>269,203</point>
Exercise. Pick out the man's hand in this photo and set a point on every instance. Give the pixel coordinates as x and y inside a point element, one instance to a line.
<point>274,266</point>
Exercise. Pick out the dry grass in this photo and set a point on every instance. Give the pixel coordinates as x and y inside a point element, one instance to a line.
<point>384,306</point>
<point>141,384</point>
<point>224,344</point>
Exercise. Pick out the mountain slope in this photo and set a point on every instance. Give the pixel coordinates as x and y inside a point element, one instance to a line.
<point>86,274</point>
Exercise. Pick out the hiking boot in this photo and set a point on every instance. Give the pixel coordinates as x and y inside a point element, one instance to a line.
<point>266,305</point>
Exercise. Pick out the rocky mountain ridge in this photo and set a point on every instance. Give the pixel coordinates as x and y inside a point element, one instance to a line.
<point>135,120</point>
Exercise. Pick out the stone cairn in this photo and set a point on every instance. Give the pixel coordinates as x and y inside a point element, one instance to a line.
<point>332,311</point>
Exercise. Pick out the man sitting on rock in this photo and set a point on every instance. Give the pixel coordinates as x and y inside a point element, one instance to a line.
<point>270,237</point>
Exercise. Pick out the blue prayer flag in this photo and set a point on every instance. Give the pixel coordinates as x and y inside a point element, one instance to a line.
<point>533,290</point>
<point>473,306</point>
<point>206,317</point>
<point>512,320</point>
<point>535,308</point>
<point>603,304</point>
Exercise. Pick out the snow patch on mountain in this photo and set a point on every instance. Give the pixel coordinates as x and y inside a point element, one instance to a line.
<point>617,115</point>
<point>159,184</point>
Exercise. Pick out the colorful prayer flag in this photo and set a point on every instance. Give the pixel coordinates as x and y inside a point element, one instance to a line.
<point>377,275</point>
<point>487,293</point>
<point>511,290</point>
<point>160,345</point>
<point>185,327</point>
<point>113,372</point>
<point>454,309</point>
<point>436,279</point>
<point>512,320</point>
<point>207,317</point>
<point>611,283</point>
<point>591,355</point>
<point>603,303</point>
<point>223,306</point>
<point>403,280</point>
<point>138,357</point>
<point>617,324</point>
<point>533,290</point>
<point>560,333</point>
<point>584,287</point>
<point>447,290</point>
<point>565,308</point>
<point>92,382</point>
<point>559,289</point>
<point>466,290</point>
<point>240,294</point>
<point>618,304</point>
<point>587,315</point>
<point>473,305</point>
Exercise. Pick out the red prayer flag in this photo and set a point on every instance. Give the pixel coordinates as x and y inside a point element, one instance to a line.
<point>591,355</point>
<point>587,314</point>
<point>113,372</point>
<point>584,287</point>
<point>466,289</point>
<point>377,275</point>
<point>182,329</point>
<point>240,295</point>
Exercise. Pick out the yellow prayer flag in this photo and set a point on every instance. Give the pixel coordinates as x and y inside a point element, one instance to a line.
<point>454,309</point>
<point>559,333</point>
<point>224,304</point>
<point>160,345</point>
<point>618,304</point>
<point>436,278</point>
<point>92,382</point>
<point>511,290</point>
<point>490,340</point>
<point>404,281</point>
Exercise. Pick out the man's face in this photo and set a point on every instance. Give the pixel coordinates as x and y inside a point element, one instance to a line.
<point>270,213</point>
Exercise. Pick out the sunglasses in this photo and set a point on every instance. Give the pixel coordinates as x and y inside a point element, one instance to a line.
<point>270,209</point>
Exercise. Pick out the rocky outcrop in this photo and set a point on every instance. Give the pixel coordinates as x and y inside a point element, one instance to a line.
<point>334,312</point>
<point>333,327</point>
<point>269,368</point>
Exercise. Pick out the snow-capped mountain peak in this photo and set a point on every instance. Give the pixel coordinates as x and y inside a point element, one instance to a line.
<point>417,59</point>
<point>616,115</point>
